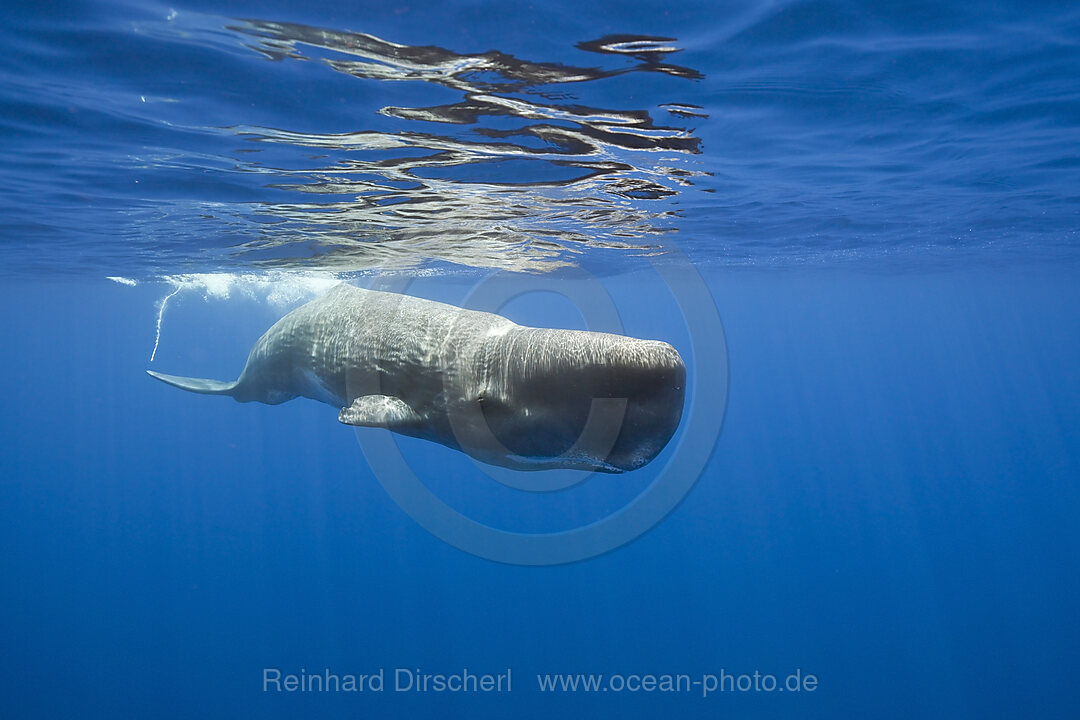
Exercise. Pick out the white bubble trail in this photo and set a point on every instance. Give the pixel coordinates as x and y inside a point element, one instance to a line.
<point>161,316</point>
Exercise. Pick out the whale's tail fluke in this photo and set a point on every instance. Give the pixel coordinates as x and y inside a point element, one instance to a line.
<point>198,385</point>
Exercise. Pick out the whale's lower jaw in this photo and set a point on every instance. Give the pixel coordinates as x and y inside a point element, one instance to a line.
<point>520,462</point>
<point>618,460</point>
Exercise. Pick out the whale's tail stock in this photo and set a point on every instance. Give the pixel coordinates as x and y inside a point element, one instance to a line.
<point>197,385</point>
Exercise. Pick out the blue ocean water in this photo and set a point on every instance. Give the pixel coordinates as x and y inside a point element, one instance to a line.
<point>879,201</point>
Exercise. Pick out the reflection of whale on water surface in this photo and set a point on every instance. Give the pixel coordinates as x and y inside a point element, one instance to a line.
<point>518,164</point>
<point>520,397</point>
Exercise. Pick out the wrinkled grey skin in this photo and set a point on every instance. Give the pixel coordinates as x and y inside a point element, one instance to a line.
<point>504,394</point>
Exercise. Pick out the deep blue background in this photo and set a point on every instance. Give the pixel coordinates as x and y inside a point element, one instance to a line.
<point>891,506</point>
<point>892,503</point>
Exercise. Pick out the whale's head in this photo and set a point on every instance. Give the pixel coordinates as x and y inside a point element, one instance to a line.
<point>564,398</point>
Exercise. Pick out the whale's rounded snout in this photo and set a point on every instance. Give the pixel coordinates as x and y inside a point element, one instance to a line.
<point>653,378</point>
<point>564,398</point>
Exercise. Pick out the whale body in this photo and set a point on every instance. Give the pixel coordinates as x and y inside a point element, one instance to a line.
<point>506,394</point>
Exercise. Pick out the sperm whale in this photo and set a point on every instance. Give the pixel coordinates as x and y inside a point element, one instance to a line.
<point>505,394</point>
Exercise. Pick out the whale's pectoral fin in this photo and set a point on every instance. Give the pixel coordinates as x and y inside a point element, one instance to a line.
<point>198,385</point>
<point>378,411</point>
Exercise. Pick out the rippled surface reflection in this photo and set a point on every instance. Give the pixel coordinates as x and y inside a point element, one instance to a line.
<point>516,173</point>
